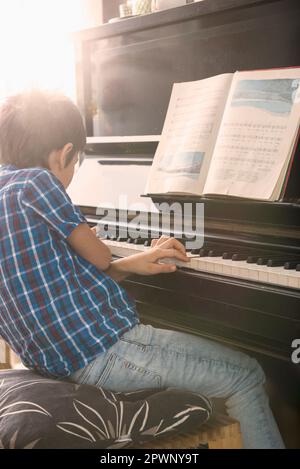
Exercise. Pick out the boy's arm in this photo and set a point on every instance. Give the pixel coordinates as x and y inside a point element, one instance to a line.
<point>87,245</point>
<point>147,263</point>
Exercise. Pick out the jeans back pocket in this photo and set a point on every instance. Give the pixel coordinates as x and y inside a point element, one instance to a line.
<point>121,375</point>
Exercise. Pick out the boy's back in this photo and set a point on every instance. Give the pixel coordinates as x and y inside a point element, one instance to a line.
<point>58,308</point>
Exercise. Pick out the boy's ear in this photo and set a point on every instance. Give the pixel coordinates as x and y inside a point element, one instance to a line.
<point>64,153</point>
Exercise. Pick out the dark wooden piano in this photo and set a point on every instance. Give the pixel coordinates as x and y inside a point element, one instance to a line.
<point>125,73</point>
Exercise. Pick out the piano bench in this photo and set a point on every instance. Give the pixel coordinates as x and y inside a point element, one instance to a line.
<point>220,432</point>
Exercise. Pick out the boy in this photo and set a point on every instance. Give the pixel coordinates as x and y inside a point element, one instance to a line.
<point>62,309</point>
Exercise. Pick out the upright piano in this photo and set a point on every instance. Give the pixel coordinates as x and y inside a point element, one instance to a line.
<point>243,288</point>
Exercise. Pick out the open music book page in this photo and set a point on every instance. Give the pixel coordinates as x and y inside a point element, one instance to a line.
<point>231,135</point>
<point>257,135</point>
<point>191,126</point>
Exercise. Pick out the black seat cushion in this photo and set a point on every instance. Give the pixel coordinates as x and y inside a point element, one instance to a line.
<point>36,412</point>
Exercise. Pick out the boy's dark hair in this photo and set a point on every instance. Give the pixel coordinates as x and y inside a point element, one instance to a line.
<point>34,123</point>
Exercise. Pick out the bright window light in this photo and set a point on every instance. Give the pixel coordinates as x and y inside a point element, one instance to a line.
<point>36,49</point>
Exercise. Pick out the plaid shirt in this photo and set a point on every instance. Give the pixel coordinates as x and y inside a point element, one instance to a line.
<point>57,311</point>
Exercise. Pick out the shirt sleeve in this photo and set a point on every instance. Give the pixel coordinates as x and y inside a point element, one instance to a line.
<point>47,198</point>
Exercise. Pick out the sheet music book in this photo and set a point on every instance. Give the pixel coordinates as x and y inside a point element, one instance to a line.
<point>230,135</point>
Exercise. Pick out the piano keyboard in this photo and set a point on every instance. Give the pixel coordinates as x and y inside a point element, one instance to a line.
<point>217,265</point>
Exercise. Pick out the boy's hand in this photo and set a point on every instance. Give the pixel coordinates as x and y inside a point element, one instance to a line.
<point>147,263</point>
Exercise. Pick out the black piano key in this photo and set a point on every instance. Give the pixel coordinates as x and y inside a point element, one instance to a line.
<point>227,254</point>
<point>252,259</point>
<point>200,251</point>
<point>203,252</point>
<point>262,260</point>
<point>291,264</point>
<point>239,256</point>
<point>214,253</point>
<point>276,262</point>
<point>129,240</point>
<point>218,250</point>
<point>282,261</point>
<point>121,239</point>
<point>298,267</point>
<point>254,256</point>
<point>139,241</point>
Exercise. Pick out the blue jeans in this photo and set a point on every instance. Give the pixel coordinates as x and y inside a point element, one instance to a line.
<point>146,357</point>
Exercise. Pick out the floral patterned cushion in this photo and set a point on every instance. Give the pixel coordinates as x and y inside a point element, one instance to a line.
<point>36,412</point>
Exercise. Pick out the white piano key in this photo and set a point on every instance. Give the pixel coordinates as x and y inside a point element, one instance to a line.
<point>219,266</point>
<point>210,263</point>
<point>253,270</point>
<point>199,264</point>
<point>263,273</point>
<point>293,278</point>
<point>227,267</point>
<point>242,269</point>
<point>275,275</point>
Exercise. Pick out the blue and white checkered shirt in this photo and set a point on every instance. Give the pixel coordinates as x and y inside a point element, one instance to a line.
<point>57,310</point>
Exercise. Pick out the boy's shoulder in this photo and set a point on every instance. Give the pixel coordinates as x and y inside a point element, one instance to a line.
<point>38,176</point>
<point>15,178</point>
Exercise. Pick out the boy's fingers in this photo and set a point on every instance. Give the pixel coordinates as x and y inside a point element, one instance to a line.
<point>154,242</point>
<point>163,268</point>
<point>161,253</point>
<point>162,240</point>
<point>173,243</point>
